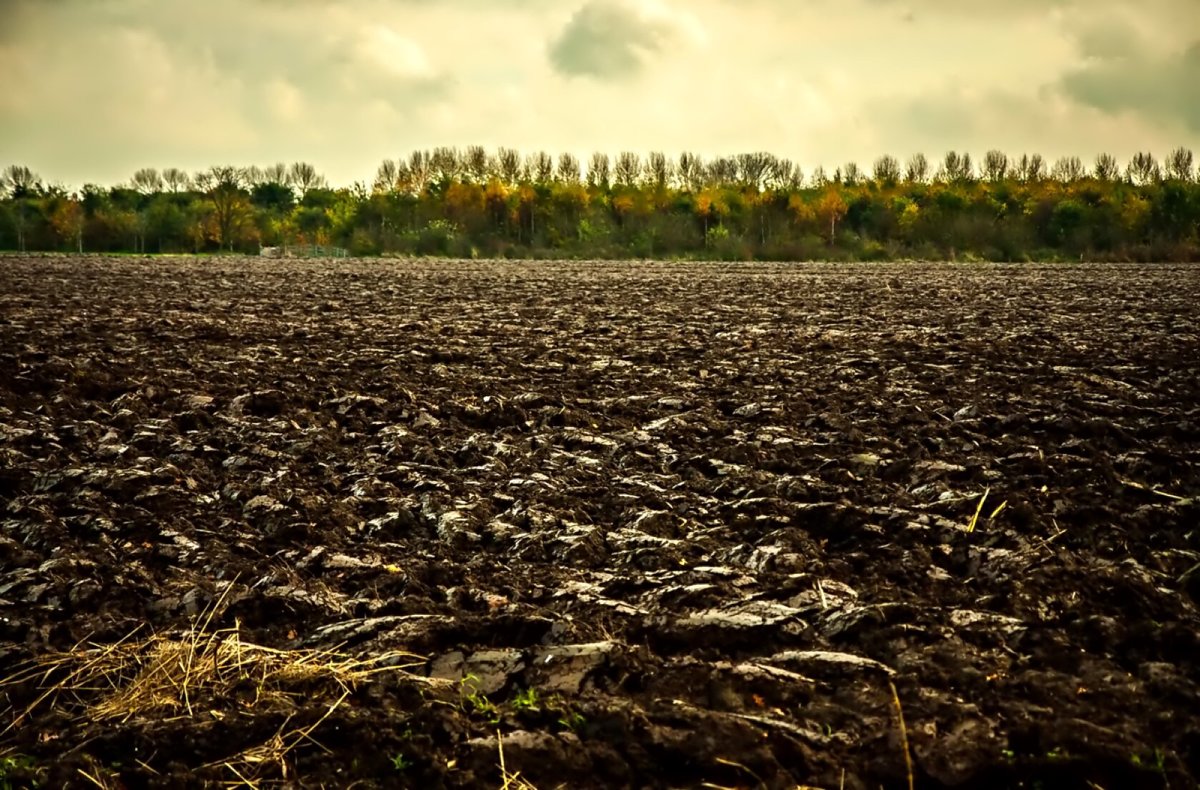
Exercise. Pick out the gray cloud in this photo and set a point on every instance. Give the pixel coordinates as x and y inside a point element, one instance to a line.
<point>614,39</point>
<point>1109,40</point>
<point>1165,87</point>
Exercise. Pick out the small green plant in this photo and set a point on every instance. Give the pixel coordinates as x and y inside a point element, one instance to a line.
<point>400,763</point>
<point>474,701</point>
<point>526,700</point>
<point>13,764</point>
<point>1156,762</point>
<point>567,718</point>
<point>716,234</point>
<point>572,720</point>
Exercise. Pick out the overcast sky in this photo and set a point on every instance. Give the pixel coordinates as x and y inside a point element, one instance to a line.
<point>94,89</point>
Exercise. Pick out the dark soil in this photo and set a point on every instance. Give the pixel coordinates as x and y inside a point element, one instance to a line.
<point>708,514</point>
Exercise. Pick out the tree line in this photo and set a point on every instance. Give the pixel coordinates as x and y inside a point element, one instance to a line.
<point>472,202</point>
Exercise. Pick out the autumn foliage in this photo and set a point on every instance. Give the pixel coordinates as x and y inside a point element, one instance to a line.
<point>475,203</point>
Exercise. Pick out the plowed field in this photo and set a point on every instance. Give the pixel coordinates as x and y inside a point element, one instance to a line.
<point>468,524</point>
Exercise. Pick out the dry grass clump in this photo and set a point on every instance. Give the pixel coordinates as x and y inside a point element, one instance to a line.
<point>168,675</point>
<point>198,672</point>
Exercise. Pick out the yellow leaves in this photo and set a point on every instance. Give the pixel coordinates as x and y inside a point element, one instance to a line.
<point>67,218</point>
<point>572,195</point>
<point>801,210</point>
<point>709,203</point>
<point>1134,212</point>
<point>757,198</point>
<point>831,205</point>
<point>495,191</point>
<point>462,199</point>
<point>831,208</point>
<point>622,204</point>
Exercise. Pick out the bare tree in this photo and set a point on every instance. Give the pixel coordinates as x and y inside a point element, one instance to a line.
<point>304,177</point>
<point>690,171</point>
<point>445,165</point>
<point>797,178</point>
<point>752,168</point>
<point>917,171</point>
<point>852,174</point>
<point>404,178</point>
<point>476,164</point>
<point>956,167</point>
<point>819,177</point>
<point>275,174</point>
<point>225,176</point>
<point>1031,168</point>
<point>658,169</point>
<point>995,166</point>
<point>387,177</point>
<point>18,181</point>
<point>599,171</point>
<point>784,174</point>
<point>628,169</point>
<point>147,181</point>
<point>176,179</point>
<point>723,171</point>
<point>417,172</point>
<point>1143,169</point>
<point>253,176</point>
<point>202,181</point>
<point>569,170</point>
<point>887,170</point>
<point>508,161</point>
<point>1107,168</point>
<point>1068,169</point>
<point>541,167</point>
<point>1178,165</point>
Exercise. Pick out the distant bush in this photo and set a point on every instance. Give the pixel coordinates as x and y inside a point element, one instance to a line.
<point>874,251</point>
